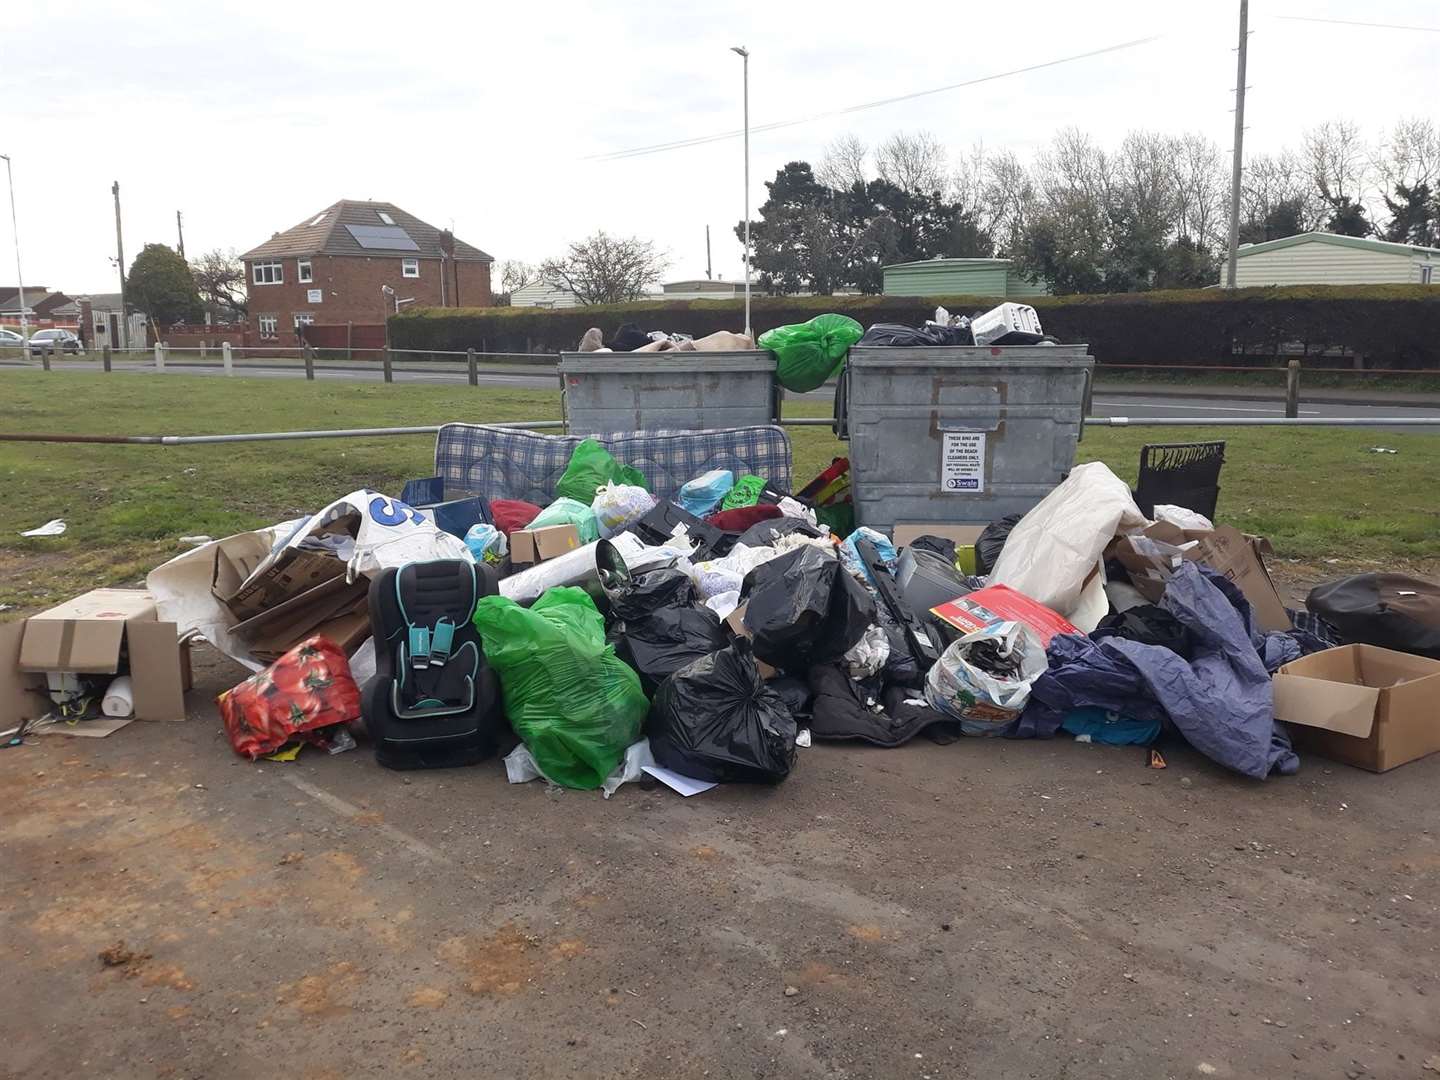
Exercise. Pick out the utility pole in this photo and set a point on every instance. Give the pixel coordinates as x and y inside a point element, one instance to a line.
<point>120,257</point>
<point>180,228</point>
<point>1237,163</point>
<point>708,275</point>
<point>15,225</point>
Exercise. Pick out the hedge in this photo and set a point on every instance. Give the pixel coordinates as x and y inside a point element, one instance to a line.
<point>1387,325</point>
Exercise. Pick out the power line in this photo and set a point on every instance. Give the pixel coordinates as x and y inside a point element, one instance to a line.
<point>1352,22</point>
<point>680,144</point>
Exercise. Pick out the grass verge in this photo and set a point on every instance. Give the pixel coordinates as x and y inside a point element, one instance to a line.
<point>1317,493</point>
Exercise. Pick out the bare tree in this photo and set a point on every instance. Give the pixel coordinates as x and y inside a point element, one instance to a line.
<point>1199,174</point>
<point>1338,161</point>
<point>1410,154</point>
<point>1007,200</point>
<point>967,182</point>
<point>515,273</point>
<point>845,163</point>
<point>914,163</point>
<point>220,278</point>
<point>1275,179</point>
<point>604,269</point>
<point>1144,181</point>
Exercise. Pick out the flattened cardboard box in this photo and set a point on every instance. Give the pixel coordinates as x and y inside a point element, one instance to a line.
<point>736,622</point>
<point>1226,550</point>
<point>536,545</point>
<point>294,571</point>
<point>86,636</point>
<point>1361,705</point>
<point>906,533</point>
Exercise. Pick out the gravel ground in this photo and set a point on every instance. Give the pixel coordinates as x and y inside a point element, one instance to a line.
<point>985,909</point>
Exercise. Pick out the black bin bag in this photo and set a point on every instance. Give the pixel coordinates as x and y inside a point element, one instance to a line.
<point>1393,611</point>
<point>804,609</point>
<point>718,720</point>
<point>659,627</point>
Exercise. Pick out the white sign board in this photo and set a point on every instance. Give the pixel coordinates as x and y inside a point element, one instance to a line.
<point>962,462</point>
<point>314,296</point>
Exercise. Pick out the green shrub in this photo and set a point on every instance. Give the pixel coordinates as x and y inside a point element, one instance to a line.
<point>1389,325</point>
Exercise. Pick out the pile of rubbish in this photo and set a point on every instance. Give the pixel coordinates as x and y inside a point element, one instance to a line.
<point>709,637</point>
<point>630,338</point>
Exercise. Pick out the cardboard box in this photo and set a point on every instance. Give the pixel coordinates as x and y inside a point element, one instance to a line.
<point>962,535</point>
<point>103,632</point>
<point>293,572</point>
<point>529,546</point>
<point>1361,705</point>
<point>1224,549</point>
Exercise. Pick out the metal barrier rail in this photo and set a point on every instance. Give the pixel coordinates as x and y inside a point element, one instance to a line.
<point>806,421</point>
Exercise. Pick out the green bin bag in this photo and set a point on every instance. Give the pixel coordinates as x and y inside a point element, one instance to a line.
<point>566,693</point>
<point>590,468</point>
<point>569,512</point>
<point>808,353</point>
<point>746,492</point>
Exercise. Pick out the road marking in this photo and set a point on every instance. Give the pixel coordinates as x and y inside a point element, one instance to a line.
<point>347,809</point>
<point>1200,408</point>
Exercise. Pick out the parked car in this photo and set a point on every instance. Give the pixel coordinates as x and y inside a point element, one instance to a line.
<point>9,339</point>
<point>62,340</point>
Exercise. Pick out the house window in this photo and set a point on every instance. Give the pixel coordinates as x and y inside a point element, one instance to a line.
<point>269,273</point>
<point>409,267</point>
<point>1427,274</point>
<point>386,218</point>
<point>304,318</point>
<point>303,271</point>
<point>269,325</point>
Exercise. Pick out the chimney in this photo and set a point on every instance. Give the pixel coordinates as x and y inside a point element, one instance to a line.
<point>447,243</point>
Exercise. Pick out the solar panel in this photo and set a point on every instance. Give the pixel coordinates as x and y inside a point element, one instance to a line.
<point>382,238</point>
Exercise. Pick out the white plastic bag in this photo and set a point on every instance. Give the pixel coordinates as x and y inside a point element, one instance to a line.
<point>985,704</point>
<point>1053,555</point>
<point>724,603</point>
<point>631,767</point>
<point>715,576</point>
<point>618,506</point>
<point>868,655</point>
<point>796,509</point>
<point>1182,518</point>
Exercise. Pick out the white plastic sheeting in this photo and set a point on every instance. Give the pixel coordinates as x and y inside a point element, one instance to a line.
<point>1054,554</point>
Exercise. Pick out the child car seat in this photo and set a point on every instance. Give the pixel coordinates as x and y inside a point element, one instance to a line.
<point>434,700</point>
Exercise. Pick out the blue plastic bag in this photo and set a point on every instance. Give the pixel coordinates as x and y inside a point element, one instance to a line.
<point>486,543</point>
<point>850,554</point>
<point>703,494</point>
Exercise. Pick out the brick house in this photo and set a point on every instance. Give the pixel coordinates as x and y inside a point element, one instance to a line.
<point>333,268</point>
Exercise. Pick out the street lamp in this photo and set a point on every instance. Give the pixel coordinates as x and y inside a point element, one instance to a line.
<point>16,227</point>
<point>744,55</point>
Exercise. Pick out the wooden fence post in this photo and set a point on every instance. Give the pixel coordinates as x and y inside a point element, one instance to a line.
<point>227,359</point>
<point>202,349</point>
<point>45,355</point>
<point>473,368</point>
<point>309,362</point>
<point>389,371</point>
<point>105,357</point>
<point>1292,388</point>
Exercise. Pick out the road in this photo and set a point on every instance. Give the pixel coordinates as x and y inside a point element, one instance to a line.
<point>992,908</point>
<point>1105,403</point>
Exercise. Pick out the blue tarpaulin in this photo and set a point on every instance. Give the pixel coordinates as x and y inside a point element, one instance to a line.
<point>1221,701</point>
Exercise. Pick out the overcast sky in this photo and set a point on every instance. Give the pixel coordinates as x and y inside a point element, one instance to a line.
<point>252,117</point>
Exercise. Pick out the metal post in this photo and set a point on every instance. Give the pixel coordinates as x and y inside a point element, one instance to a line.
<point>226,359</point>
<point>474,369</point>
<point>1237,163</point>
<point>1292,388</point>
<point>309,362</point>
<point>389,371</point>
<point>105,358</point>
<point>745,58</point>
<point>124,322</point>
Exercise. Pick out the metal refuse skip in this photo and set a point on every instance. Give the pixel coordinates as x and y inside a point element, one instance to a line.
<point>961,435</point>
<point>607,392</point>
